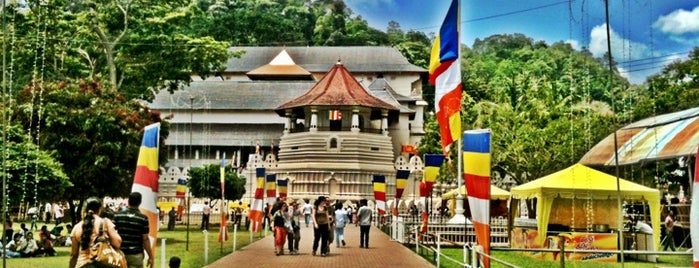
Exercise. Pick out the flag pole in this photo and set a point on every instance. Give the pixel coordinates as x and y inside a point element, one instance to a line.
<point>459,211</point>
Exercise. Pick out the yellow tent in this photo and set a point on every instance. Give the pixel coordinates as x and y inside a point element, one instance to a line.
<point>166,206</point>
<point>495,193</point>
<point>583,182</point>
<point>237,204</point>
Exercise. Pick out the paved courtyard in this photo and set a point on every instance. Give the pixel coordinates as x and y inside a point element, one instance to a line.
<point>382,252</point>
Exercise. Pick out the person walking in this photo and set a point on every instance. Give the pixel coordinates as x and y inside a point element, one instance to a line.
<point>47,213</point>
<point>669,237</point>
<point>307,208</point>
<point>84,233</point>
<point>171,217</point>
<point>279,219</point>
<point>321,221</point>
<point>294,235</point>
<point>58,213</point>
<point>364,214</point>
<point>133,227</point>
<point>206,211</point>
<point>341,220</point>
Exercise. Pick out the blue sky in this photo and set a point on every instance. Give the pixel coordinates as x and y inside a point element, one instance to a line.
<point>646,34</point>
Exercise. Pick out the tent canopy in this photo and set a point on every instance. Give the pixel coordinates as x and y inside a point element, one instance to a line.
<point>583,182</point>
<point>495,193</point>
<point>655,138</point>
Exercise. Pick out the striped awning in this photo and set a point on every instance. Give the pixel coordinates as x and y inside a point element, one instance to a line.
<point>660,137</point>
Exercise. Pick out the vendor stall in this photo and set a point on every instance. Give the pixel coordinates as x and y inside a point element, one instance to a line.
<point>498,208</point>
<point>580,204</point>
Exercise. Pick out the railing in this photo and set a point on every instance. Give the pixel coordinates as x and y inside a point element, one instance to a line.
<point>454,233</point>
<point>344,129</point>
<point>441,234</point>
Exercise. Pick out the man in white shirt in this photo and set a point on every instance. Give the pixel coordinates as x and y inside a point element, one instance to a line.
<point>206,211</point>
<point>307,212</point>
<point>47,213</point>
<point>364,213</point>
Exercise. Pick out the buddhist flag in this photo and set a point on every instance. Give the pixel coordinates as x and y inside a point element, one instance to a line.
<point>335,115</point>
<point>281,187</point>
<point>401,181</point>
<point>432,164</point>
<point>694,213</point>
<point>423,200</point>
<point>271,187</point>
<point>145,180</point>
<point>222,232</point>
<point>181,189</point>
<point>258,203</point>
<point>476,157</point>
<point>379,182</point>
<point>445,75</point>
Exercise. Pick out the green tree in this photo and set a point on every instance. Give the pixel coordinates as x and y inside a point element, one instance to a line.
<point>143,47</point>
<point>32,174</point>
<point>95,132</point>
<point>205,182</point>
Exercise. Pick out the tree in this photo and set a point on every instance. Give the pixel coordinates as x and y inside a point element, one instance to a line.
<point>545,105</point>
<point>95,132</point>
<point>33,175</point>
<point>205,182</point>
<point>143,47</point>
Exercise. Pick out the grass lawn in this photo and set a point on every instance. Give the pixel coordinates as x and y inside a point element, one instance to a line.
<point>175,245</point>
<point>521,260</point>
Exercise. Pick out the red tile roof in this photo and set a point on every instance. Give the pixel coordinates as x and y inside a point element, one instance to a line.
<point>337,88</point>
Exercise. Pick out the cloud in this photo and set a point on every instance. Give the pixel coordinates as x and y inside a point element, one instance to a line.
<point>679,22</point>
<point>573,43</point>
<point>623,50</point>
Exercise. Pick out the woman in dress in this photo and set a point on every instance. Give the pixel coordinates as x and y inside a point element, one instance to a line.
<point>85,232</point>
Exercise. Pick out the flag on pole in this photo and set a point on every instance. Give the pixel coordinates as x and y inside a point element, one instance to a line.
<point>181,189</point>
<point>281,187</point>
<point>335,115</point>
<point>694,212</point>
<point>432,164</point>
<point>379,183</point>
<point>257,207</point>
<point>408,149</point>
<point>401,182</point>
<point>271,188</point>
<point>145,180</point>
<point>476,157</point>
<point>223,232</point>
<point>423,200</point>
<point>445,75</point>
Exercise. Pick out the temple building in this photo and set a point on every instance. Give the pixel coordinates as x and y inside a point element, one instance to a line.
<point>325,125</point>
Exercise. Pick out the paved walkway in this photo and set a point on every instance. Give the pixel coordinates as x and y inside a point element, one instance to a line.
<point>382,252</point>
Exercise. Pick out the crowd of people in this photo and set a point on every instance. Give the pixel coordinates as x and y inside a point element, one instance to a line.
<point>327,218</point>
<point>27,242</point>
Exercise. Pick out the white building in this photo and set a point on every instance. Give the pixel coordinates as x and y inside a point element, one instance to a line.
<point>234,112</point>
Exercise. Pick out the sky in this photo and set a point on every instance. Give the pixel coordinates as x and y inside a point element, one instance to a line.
<point>646,34</point>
